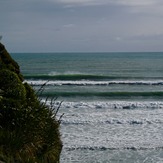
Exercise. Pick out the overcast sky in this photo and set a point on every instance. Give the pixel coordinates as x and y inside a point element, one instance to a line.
<point>81,25</point>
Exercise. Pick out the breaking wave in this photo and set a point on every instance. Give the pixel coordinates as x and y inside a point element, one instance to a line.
<point>127,105</point>
<point>89,83</point>
<point>73,76</point>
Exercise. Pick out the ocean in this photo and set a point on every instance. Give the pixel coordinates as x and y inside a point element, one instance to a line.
<point>112,103</point>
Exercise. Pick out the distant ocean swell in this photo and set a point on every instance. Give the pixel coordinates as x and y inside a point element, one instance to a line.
<point>68,77</point>
<point>75,77</point>
<point>104,94</point>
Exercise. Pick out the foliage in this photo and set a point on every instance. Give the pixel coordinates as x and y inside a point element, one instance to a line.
<point>6,62</point>
<point>11,86</point>
<point>29,131</point>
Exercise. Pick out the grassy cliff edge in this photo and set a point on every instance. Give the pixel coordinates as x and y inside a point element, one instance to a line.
<point>29,131</point>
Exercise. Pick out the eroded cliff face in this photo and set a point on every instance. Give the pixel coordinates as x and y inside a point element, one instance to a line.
<point>28,130</point>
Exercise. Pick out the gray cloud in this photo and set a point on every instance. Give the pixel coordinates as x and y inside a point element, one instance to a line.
<point>143,37</point>
<point>82,25</point>
<point>133,3</point>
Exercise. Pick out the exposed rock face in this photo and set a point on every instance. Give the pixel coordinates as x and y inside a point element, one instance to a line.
<point>28,130</point>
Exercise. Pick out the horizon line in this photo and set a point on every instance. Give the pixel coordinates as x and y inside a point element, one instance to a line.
<point>68,52</point>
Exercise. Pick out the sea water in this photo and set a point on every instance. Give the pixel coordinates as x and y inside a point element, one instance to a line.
<point>112,103</point>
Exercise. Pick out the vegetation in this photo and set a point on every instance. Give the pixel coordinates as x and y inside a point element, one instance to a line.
<point>29,131</point>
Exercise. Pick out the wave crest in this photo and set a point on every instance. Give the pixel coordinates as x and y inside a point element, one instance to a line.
<point>89,83</point>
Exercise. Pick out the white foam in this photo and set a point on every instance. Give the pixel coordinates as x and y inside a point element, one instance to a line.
<point>65,73</point>
<point>113,105</point>
<point>88,82</point>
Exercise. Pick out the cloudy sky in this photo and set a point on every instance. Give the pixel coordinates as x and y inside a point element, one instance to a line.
<point>81,25</point>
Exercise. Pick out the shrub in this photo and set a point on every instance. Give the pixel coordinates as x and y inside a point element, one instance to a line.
<point>11,86</point>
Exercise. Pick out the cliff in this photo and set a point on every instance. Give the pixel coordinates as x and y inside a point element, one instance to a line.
<point>29,132</point>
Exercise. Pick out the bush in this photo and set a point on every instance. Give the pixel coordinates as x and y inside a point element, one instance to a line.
<point>11,86</point>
